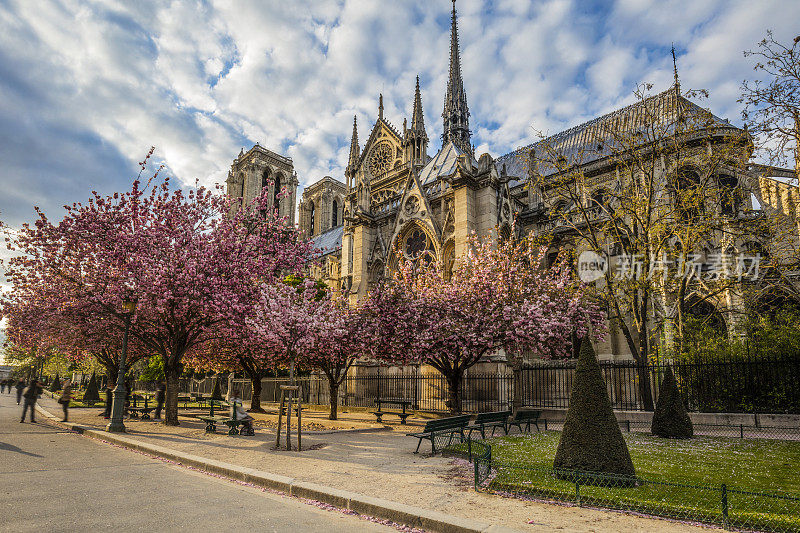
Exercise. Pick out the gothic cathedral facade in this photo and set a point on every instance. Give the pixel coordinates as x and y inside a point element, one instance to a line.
<point>398,200</point>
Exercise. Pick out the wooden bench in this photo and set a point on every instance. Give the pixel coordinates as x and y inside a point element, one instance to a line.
<point>525,416</point>
<point>232,422</point>
<point>135,412</point>
<point>442,426</point>
<point>483,421</point>
<point>212,420</point>
<point>392,401</point>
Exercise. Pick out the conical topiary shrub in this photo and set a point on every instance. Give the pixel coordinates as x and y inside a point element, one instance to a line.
<point>92,394</point>
<point>216,394</point>
<point>591,440</point>
<point>55,386</point>
<point>670,419</point>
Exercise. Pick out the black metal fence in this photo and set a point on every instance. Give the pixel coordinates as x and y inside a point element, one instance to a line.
<point>730,386</point>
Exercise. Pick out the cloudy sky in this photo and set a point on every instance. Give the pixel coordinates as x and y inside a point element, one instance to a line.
<point>86,87</point>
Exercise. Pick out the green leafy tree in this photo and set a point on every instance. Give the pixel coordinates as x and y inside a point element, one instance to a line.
<point>154,371</point>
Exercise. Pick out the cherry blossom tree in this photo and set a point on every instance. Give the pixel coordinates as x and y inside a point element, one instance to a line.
<point>287,320</point>
<point>498,297</point>
<point>239,350</point>
<point>343,335</point>
<point>192,263</point>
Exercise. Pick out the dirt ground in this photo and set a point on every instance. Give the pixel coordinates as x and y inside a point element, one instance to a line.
<point>358,455</point>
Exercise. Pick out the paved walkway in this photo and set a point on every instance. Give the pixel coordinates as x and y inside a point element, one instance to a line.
<point>56,480</point>
<point>380,464</point>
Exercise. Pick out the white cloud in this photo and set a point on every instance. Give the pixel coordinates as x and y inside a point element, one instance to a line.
<point>200,80</point>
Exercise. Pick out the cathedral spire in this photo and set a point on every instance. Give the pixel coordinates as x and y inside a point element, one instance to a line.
<point>352,162</point>
<point>380,107</point>
<point>675,72</point>
<point>416,139</point>
<point>417,119</point>
<point>456,112</point>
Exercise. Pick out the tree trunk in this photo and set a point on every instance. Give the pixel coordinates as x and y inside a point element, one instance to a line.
<point>454,391</point>
<point>172,373</point>
<point>255,396</point>
<point>333,386</point>
<point>643,371</point>
<point>643,362</point>
<point>516,368</point>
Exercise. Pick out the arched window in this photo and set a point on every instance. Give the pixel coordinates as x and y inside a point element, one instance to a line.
<point>241,192</point>
<point>311,219</point>
<point>730,195</point>
<point>449,260</point>
<point>600,202</point>
<point>264,180</point>
<point>688,196</point>
<point>376,273</point>
<point>335,218</point>
<point>415,244</point>
<point>277,192</point>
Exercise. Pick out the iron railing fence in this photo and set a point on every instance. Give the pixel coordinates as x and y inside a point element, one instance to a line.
<point>718,385</point>
<point>732,386</point>
<point>478,392</point>
<point>731,507</point>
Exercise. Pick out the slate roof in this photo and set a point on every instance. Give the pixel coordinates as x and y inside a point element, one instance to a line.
<point>443,164</point>
<point>589,141</point>
<point>329,241</point>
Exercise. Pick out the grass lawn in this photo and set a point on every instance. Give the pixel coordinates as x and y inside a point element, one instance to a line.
<point>680,479</point>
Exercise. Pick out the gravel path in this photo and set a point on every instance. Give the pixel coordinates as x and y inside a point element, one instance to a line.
<point>377,463</point>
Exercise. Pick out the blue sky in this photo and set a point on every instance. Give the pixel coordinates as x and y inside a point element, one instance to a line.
<point>87,87</point>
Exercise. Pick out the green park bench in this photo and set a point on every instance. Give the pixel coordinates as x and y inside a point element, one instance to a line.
<point>392,401</point>
<point>231,421</point>
<point>185,400</point>
<point>211,420</point>
<point>528,417</point>
<point>495,420</point>
<point>450,426</point>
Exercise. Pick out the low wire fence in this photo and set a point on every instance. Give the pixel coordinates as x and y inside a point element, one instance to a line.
<point>727,506</point>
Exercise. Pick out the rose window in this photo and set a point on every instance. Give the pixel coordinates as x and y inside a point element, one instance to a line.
<point>418,245</point>
<point>380,160</point>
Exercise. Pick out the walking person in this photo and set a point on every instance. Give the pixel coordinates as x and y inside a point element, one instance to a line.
<point>161,391</point>
<point>3,385</point>
<point>31,394</point>
<point>20,387</point>
<point>66,396</point>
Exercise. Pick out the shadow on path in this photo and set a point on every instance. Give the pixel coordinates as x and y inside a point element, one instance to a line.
<point>11,448</point>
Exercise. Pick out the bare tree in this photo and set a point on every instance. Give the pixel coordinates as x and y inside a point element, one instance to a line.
<point>772,113</point>
<point>649,186</point>
<point>771,108</point>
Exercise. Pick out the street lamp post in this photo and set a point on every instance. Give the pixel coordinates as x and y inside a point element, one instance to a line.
<point>118,404</point>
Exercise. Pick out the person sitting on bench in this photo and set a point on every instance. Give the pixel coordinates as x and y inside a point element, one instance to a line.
<point>238,412</point>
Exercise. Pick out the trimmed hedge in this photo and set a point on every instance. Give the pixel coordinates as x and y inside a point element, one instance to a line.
<point>591,440</point>
<point>670,419</point>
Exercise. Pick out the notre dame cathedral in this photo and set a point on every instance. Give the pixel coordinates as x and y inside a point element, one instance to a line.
<point>398,199</point>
